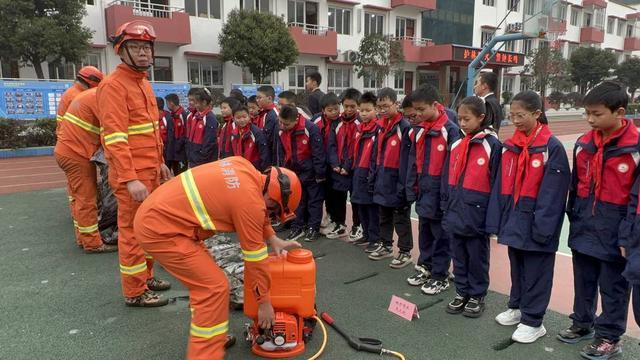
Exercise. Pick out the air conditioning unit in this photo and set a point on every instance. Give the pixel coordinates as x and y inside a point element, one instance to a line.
<point>350,56</point>
<point>335,57</point>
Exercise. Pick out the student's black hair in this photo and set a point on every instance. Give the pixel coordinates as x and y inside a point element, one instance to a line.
<point>237,94</point>
<point>531,101</point>
<point>252,100</point>
<point>267,90</point>
<point>160,102</point>
<point>490,78</point>
<point>351,94</point>
<point>290,96</point>
<point>426,93</point>
<point>388,93</point>
<point>406,102</point>
<point>289,113</point>
<point>315,76</point>
<point>239,108</point>
<point>193,91</point>
<point>478,108</point>
<point>232,102</point>
<point>329,99</point>
<point>203,94</point>
<point>368,98</point>
<point>611,94</point>
<point>173,98</point>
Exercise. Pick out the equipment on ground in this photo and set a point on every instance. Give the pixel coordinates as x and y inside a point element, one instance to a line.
<point>107,203</point>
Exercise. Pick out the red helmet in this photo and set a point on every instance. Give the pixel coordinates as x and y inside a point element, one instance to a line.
<point>133,30</point>
<point>90,75</point>
<point>283,186</point>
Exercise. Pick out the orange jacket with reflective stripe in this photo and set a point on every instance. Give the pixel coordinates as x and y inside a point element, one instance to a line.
<point>79,131</point>
<point>129,117</point>
<point>65,101</point>
<point>222,196</point>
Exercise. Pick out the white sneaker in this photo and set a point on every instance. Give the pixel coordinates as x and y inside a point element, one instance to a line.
<point>329,228</point>
<point>325,222</point>
<point>525,334</point>
<point>509,317</point>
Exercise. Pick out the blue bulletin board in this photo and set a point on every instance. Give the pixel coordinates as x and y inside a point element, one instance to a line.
<point>28,100</point>
<point>250,90</point>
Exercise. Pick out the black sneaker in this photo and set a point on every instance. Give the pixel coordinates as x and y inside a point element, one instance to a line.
<point>421,276</point>
<point>338,231</point>
<point>474,307</point>
<point>372,247</point>
<point>434,287</point>
<point>602,349</point>
<point>356,233</point>
<point>361,242</point>
<point>401,260</point>
<point>382,252</point>
<point>311,235</point>
<point>456,306</point>
<point>295,234</point>
<point>575,334</point>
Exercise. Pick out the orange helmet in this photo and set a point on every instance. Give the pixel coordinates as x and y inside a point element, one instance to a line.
<point>133,30</point>
<point>90,75</point>
<point>283,186</point>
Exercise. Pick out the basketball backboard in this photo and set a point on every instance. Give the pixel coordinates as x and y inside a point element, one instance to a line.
<point>544,19</point>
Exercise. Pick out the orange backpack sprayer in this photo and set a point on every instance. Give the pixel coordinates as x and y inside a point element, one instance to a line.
<point>293,297</point>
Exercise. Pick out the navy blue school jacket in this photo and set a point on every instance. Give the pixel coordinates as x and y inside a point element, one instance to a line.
<point>176,135</point>
<point>268,122</point>
<point>453,117</point>
<point>251,143</point>
<point>465,201</point>
<point>427,163</point>
<point>534,223</point>
<point>364,163</point>
<point>391,162</point>
<point>202,145</point>
<point>631,228</point>
<point>598,225</point>
<point>302,151</point>
<point>340,151</point>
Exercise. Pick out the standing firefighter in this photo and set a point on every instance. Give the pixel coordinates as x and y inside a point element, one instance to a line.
<point>133,148</point>
<point>226,195</point>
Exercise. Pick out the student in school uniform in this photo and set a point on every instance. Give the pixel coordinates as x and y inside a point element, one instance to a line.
<point>248,141</point>
<point>632,250</point>
<point>605,168</point>
<point>176,157</point>
<point>254,109</point>
<point>202,145</point>
<point>471,171</point>
<point>526,211</point>
<point>163,122</point>
<point>289,98</point>
<point>268,116</point>
<point>224,132</point>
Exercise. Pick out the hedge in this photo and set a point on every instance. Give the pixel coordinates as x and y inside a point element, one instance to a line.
<point>20,134</point>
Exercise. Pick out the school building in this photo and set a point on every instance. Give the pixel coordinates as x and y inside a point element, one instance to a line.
<point>439,39</point>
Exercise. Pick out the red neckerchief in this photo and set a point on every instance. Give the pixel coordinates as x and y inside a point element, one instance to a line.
<point>523,141</point>
<point>178,122</point>
<point>364,128</point>
<point>198,116</point>
<point>460,161</point>
<point>597,160</point>
<point>224,134</point>
<point>348,135</point>
<point>285,138</point>
<point>438,123</point>
<point>262,115</point>
<point>325,129</point>
<point>386,124</point>
<point>237,138</point>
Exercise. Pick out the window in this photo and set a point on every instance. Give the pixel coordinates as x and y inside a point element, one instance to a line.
<point>62,70</point>
<point>260,5</point>
<point>92,59</point>
<point>405,27</point>
<point>91,2</point>
<point>524,83</point>
<point>338,79</point>
<point>571,48</point>
<point>373,24</point>
<point>370,83</point>
<point>340,20</point>
<point>621,26</point>
<point>599,18</point>
<point>507,83</point>
<point>247,77</point>
<point>485,37</point>
<point>513,5</point>
<point>203,8</point>
<point>575,12</point>
<point>398,82</point>
<point>489,2</point>
<point>530,7</point>
<point>510,46</point>
<point>611,21</point>
<point>205,73</point>
<point>629,31</point>
<point>162,69</point>
<point>302,12</point>
<point>587,20</point>
<point>527,46</point>
<point>297,76</point>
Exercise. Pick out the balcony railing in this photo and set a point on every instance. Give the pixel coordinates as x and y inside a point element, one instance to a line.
<point>144,8</point>
<point>311,29</point>
<point>416,41</point>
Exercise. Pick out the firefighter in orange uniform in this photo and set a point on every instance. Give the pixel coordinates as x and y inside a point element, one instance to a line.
<point>78,140</point>
<point>133,149</point>
<point>227,195</point>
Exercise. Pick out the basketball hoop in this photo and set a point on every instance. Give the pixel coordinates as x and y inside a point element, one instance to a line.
<point>544,21</point>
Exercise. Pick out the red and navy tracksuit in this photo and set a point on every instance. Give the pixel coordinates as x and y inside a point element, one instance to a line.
<point>202,145</point>
<point>251,143</point>
<point>363,173</point>
<point>430,144</point>
<point>632,247</point>
<point>471,172</point>
<point>224,137</point>
<point>175,155</point>
<point>393,146</point>
<point>301,150</point>
<point>332,199</point>
<point>340,155</point>
<point>526,211</point>
<point>604,172</point>
<point>163,116</point>
<point>267,121</point>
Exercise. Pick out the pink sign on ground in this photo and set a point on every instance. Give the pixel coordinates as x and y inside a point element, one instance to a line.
<point>403,308</point>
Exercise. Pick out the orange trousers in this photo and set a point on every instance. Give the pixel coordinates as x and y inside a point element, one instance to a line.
<point>82,187</point>
<point>136,267</point>
<point>189,261</point>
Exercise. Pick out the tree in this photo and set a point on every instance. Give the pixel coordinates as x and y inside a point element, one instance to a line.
<point>548,69</point>
<point>629,74</point>
<point>258,41</point>
<point>378,56</point>
<point>32,32</point>
<point>589,66</point>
